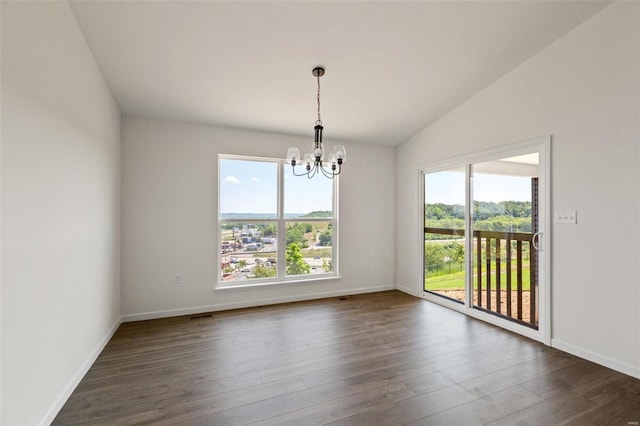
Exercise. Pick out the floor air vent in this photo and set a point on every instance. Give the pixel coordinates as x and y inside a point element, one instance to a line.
<point>200,316</point>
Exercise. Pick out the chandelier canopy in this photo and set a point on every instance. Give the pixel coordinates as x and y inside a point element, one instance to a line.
<point>314,162</point>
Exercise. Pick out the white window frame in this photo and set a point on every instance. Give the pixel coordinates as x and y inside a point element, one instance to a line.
<point>281,222</point>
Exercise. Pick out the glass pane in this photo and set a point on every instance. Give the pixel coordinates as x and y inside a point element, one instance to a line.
<point>305,197</point>
<point>504,221</point>
<point>248,250</point>
<point>248,189</point>
<point>444,245</point>
<point>309,248</point>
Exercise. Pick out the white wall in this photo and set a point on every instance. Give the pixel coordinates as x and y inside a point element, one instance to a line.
<point>584,90</point>
<point>60,210</point>
<point>170,173</point>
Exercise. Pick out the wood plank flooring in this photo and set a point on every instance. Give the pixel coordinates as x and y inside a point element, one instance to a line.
<point>376,359</point>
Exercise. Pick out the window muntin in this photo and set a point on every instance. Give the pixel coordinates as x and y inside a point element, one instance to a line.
<point>260,204</point>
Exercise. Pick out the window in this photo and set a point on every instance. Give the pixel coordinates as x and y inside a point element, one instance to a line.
<point>273,226</point>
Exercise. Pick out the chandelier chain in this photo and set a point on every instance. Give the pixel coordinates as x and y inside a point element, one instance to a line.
<point>319,121</point>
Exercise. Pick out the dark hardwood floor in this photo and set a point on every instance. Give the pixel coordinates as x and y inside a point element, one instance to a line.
<point>377,359</point>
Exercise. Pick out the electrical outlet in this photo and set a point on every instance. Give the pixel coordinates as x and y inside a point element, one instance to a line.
<point>569,217</point>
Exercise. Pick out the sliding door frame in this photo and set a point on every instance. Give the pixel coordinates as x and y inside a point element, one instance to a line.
<point>541,145</point>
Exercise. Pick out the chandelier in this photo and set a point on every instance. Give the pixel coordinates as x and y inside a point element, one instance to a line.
<point>314,162</point>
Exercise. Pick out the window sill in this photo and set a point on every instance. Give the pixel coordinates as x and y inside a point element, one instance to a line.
<point>293,281</point>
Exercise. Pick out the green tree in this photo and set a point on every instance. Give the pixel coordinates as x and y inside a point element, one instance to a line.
<point>295,262</point>
<point>242,263</point>
<point>439,211</point>
<point>295,235</point>
<point>517,208</point>
<point>504,223</point>
<point>260,271</point>
<point>327,266</point>
<point>435,211</point>
<point>434,255</point>
<point>455,251</point>
<point>270,230</point>
<point>325,238</point>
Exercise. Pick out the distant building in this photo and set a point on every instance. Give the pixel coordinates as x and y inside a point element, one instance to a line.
<point>225,262</point>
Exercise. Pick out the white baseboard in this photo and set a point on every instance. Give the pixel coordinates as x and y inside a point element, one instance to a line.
<point>84,368</point>
<point>250,303</point>
<point>622,367</point>
<point>633,371</point>
<point>408,290</point>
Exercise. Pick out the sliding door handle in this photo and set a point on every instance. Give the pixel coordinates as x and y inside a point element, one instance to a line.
<point>535,241</point>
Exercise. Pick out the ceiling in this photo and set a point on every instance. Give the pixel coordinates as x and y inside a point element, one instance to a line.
<point>391,67</point>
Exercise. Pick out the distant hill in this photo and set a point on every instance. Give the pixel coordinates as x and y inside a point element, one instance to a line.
<point>250,216</point>
<point>318,213</point>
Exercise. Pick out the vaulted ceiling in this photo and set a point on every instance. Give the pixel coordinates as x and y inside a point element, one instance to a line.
<point>391,67</point>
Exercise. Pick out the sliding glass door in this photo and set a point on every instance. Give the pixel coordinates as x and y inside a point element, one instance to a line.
<point>484,221</point>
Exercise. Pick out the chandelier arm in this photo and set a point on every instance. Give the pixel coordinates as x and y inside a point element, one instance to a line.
<point>293,170</point>
<point>328,176</point>
<point>311,173</point>
<point>327,172</point>
<point>339,169</point>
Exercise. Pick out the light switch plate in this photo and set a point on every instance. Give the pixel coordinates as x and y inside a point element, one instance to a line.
<point>566,216</point>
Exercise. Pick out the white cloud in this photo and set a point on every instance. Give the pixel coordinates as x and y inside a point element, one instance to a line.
<point>254,179</point>
<point>231,179</point>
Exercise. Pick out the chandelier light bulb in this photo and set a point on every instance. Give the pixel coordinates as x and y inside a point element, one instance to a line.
<point>293,155</point>
<point>308,161</point>
<point>333,161</point>
<point>340,153</point>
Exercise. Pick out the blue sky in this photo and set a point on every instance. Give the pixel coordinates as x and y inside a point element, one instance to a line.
<point>448,188</point>
<point>252,187</point>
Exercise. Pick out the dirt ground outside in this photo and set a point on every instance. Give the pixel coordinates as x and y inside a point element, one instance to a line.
<point>459,295</point>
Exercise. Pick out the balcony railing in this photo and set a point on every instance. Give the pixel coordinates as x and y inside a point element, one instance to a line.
<point>502,261</point>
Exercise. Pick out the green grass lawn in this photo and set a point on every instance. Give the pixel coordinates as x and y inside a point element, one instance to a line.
<point>318,252</point>
<point>456,280</point>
